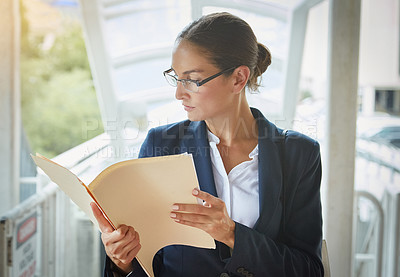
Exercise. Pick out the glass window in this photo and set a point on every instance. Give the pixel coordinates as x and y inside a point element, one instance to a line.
<point>139,37</point>
<point>140,76</point>
<point>142,33</point>
<point>57,94</point>
<point>149,25</point>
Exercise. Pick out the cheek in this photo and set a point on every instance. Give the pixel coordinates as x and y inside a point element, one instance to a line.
<point>213,99</point>
<point>216,92</point>
<point>213,103</point>
<point>208,100</point>
<point>218,96</point>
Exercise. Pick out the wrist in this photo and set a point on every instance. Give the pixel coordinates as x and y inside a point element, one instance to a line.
<point>230,238</point>
<point>121,268</point>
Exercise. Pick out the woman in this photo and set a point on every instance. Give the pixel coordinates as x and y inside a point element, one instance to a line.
<point>260,187</point>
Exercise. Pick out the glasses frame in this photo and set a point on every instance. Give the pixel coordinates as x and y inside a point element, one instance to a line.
<point>198,83</point>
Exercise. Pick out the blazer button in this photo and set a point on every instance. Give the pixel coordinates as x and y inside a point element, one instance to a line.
<point>224,275</point>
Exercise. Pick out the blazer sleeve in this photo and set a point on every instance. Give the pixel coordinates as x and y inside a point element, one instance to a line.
<point>136,272</point>
<point>147,149</point>
<point>298,251</point>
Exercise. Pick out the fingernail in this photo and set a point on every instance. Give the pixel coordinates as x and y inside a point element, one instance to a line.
<point>195,192</point>
<point>175,207</point>
<point>173,215</point>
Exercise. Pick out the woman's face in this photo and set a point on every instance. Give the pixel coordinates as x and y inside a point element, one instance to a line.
<point>214,98</point>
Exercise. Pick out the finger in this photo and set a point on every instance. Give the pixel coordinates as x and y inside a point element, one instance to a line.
<point>121,231</point>
<point>190,208</point>
<point>105,226</point>
<point>118,239</point>
<point>132,254</point>
<point>210,200</point>
<point>122,248</point>
<point>197,225</point>
<point>126,233</point>
<point>131,244</point>
<point>187,217</point>
<point>123,251</point>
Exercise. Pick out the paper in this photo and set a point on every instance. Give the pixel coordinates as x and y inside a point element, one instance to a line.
<point>68,182</point>
<point>139,193</point>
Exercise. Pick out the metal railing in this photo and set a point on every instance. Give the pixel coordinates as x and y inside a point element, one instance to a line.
<point>377,236</point>
<point>373,231</point>
<point>391,255</point>
<point>47,235</point>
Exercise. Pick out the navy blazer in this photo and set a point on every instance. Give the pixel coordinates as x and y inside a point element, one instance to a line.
<point>278,245</point>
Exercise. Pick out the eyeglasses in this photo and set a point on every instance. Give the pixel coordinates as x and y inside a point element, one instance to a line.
<point>188,84</point>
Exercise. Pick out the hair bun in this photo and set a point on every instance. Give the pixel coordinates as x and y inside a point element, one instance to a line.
<point>264,59</point>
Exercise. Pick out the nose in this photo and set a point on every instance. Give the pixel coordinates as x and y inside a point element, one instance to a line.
<point>180,92</point>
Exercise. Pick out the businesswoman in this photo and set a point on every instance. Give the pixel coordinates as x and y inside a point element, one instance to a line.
<point>260,185</point>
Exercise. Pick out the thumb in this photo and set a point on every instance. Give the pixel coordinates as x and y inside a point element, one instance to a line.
<point>105,226</point>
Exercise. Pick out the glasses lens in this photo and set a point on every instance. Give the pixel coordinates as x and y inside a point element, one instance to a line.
<point>190,86</point>
<point>170,79</point>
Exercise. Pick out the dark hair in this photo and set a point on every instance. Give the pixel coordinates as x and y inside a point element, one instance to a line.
<point>229,42</point>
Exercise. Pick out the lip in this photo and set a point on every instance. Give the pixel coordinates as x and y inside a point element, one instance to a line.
<point>188,108</point>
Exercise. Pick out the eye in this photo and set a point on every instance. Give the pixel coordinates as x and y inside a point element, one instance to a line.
<point>194,76</point>
<point>195,80</point>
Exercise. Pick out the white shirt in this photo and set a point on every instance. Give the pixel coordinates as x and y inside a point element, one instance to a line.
<point>239,188</point>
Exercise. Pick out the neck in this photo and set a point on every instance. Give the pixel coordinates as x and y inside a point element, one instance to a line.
<point>235,125</point>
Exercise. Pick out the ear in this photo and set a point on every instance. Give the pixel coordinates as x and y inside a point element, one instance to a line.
<point>240,77</point>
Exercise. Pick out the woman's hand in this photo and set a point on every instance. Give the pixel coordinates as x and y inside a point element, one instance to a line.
<point>121,245</point>
<point>211,217</point>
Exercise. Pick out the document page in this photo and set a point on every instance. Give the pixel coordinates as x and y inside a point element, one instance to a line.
<point>138,193</point>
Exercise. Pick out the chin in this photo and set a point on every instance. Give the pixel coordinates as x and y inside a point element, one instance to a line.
<point>194,117</point>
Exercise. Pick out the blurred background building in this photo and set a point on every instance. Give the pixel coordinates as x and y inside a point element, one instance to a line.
<point>81,82</point>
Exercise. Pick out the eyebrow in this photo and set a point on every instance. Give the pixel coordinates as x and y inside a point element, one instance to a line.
<point>190,71</point>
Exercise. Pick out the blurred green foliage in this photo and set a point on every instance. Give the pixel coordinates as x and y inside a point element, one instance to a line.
<point>57,95</point>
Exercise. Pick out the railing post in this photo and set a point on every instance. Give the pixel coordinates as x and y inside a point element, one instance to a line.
<point>4,248</point>
<point>391,204</point>
<point>380,236</point>
<point>396,234</point>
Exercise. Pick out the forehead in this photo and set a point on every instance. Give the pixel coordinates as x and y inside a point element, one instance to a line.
<point>187,56</point>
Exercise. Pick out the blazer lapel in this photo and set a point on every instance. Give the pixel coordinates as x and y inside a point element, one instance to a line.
<point>196,143</point>
<point>269,171</point>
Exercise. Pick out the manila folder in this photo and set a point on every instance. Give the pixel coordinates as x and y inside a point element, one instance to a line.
<point>139,193</point>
